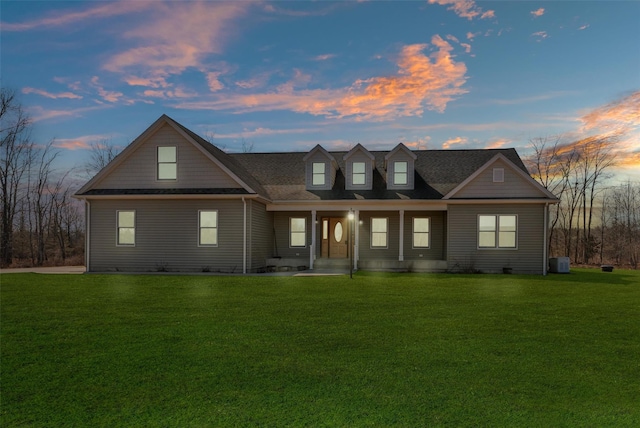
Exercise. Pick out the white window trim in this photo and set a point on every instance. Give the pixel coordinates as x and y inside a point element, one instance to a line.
<point>363,173</point>
<point>135,227</point>
<point>413,232</point>
<point>406,173</point>
<point>291,232</point>
<point>386,234</point>
<point>158,165</point>
<point>497,233</point>
<point>217,228</point>
<point>324,174</point>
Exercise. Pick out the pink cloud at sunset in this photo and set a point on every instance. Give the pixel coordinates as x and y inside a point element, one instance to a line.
<point>104,10</point>
<point>498,144</point>
<point>176,36</point>
<point>465,8</point>
<point>80,143</point>
<point>67,95</point>
<point>537,13</point>
<point>453,141</point>
<point>423,81</point>
<point>623,114</point>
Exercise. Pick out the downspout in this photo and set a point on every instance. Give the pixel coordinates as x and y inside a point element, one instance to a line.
<point>544,243</point>
<point>244,236</point>
<point>87,233</point>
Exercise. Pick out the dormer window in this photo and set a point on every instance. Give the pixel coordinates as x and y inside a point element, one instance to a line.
<point>319,174</point>
<point>359,176</point>
<point>400,173</point>
<point>167,163</point>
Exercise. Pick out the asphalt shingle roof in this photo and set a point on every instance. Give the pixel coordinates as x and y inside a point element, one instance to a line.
<point>437,172</point>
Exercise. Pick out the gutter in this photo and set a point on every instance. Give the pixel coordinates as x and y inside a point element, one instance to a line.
<point>544,241</point>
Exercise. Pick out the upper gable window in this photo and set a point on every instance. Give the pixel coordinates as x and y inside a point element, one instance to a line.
<point>359,175</point>
<point>319,175</point>
<point>400,171</point>
<point>167,163</point>
<point>498,175</point>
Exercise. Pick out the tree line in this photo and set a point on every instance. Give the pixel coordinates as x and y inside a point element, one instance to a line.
<point>41,223</point>
<point>594,221</point>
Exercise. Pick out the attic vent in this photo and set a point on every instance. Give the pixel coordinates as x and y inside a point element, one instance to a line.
<point>498,175</point>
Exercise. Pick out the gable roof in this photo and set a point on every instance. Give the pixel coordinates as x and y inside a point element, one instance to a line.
<point>396,149</point>
<point>319,148</point>
<point>217,156</point>
<point>518,171</point>
<point>358,148</point>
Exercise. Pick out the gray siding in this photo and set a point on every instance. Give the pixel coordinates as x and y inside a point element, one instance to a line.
<point>139,170</point>
<point>281,227</point>
<point>436,250</point>
<point>166,236</point>
<point>514,185</point>
<point>463,249</point>
<point>393,238</point>
<point>261,236</point>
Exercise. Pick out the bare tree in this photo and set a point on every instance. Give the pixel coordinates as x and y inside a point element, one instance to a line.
<point>16,154</point>
<point>100,154</point>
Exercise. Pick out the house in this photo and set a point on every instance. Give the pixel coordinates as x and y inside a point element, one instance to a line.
<point>172,201</point>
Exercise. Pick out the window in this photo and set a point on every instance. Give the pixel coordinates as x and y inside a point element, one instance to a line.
<point>126,228</point>
<point>498,175</point>
<point>208,228</point>
<point>318,174</point>
<point>497,231</point>
<point>400,173</point>
<point>421,232</point>
<point>358,175</point>
<point>379,232</point>
<point>298,228</point>
<point>167,163</point>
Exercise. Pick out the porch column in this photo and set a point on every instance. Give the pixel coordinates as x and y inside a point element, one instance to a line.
<point>401,240</point>
<point>356,251</point>
<point>314,226</point>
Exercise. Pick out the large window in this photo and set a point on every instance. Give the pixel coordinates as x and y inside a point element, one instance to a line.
<point>167,163</point>
<point>379,229</point>
<point>126,228</point>
<point>400,173</point>
<point>318,178</point>
<point>358,176</point>
<point>208,228</point>
<point>497,231</point>
<point>298,232</point>
<point>421,230</point>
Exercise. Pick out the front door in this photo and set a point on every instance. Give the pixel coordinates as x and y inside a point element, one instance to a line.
<point>334,238</point>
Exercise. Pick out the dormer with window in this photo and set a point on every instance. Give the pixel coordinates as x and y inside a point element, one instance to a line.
<point>400,164</point>
<point>321,169</point>
<point>359,165</point>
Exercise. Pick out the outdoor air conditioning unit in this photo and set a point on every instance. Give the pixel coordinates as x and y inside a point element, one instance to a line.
<point>559,265</point>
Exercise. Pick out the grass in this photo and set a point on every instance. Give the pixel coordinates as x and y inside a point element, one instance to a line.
<point>378,350</point>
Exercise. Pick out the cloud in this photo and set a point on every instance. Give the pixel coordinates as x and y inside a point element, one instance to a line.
<point>465,8</point>
<point>67,95</point>
<point>471,36</point>
<point>537,13</point>
<point>466,46</point>
<point>176,36</point>
<point>496,144</point>
<point>583,27</point>
<point>168,93</point>
<point>104,10</point>
<point>324,57</point>
<point>79,143</point>
<point>262,132</point>
<point>257,81</point>
<point>453,141</point>
<point>540,35</point>
<point>422,81</point>
<point>418,144</point>
<point>110,96</point>
<point>620,115</point>
<point>213,81</point>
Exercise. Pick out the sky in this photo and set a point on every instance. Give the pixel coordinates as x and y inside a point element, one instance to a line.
<point>286,76</point>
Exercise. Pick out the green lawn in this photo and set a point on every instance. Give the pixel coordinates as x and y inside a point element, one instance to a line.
<point>378,350</point>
